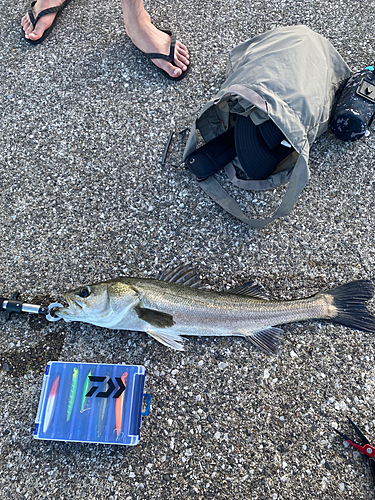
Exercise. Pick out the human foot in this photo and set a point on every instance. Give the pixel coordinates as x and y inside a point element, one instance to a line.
<point>39,20</point>
<point>152,41</point>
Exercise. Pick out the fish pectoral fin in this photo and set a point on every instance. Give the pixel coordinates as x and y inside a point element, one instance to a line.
<point>173,341</point>
<point>154,318</point>
<point>267,340</point>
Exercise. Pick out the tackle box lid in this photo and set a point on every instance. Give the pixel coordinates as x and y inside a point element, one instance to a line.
<point>92,403</point>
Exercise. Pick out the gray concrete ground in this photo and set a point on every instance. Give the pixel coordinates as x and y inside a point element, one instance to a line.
<point>84,197</point>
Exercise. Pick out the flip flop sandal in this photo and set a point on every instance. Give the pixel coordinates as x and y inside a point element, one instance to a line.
<point>169,58</point>
<point>44,12</point>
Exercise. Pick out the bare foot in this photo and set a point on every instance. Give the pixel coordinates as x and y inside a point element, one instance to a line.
<point>149,39</point>
<point>43,23</point>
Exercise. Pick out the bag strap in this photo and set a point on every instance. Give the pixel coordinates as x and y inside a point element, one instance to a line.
<point>298,181</point>
<point>257,185</point>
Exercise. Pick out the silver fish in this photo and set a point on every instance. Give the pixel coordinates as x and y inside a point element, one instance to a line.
<point>175,304</point>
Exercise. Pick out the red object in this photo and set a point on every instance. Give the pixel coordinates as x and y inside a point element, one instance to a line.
<point>367,449</point>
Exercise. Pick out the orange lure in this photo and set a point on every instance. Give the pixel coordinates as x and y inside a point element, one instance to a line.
<point>119,405</point>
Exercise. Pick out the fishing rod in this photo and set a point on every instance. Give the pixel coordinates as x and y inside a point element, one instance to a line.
<point>14,305</point>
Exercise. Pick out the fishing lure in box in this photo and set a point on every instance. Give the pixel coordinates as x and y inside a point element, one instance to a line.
<point>92,403</point>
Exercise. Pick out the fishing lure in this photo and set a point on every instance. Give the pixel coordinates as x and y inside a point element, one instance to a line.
<point>84,393</point>
<point>51,404</point>
<point>103,408</point>
<point>72,395</point>
<point>119,405</point>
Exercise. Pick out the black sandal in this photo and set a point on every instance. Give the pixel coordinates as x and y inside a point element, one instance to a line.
<point>169,58</point>
<point>44,12</point>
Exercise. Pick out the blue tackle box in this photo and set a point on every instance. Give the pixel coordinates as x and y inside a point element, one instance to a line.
<point>92,403</point>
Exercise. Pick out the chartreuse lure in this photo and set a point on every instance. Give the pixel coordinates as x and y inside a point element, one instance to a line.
<point>85,390</point>
<point>72,395</point>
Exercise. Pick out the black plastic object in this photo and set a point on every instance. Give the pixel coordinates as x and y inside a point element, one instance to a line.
<point>166,149</point>
<point>212,156</point>
<point>355,108</point>
<point>14,305</point>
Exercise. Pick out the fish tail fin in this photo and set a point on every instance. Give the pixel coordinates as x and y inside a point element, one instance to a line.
<point>350,301</point>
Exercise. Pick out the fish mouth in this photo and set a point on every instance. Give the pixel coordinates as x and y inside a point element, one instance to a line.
<point>68,313</point>
<point>74,308</point>
<point>74,303</point>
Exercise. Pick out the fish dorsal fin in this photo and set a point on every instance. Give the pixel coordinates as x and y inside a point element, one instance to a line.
<point>184,274</point>
<point>154,318</point>
<point>173,341</point>
<point>250,289</point>
<point>267,340</point>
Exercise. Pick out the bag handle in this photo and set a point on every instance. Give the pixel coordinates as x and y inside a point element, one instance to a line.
<point>298,181</point>
<point>259,184</point>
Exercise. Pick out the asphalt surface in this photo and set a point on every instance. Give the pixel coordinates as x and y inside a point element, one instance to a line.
<point>84,197</point>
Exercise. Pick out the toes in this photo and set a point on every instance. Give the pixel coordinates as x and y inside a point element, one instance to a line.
<point>151,40</point>
<point>176,72</point>
<point>172,70</point>
<point>181,59</point>
<point>43,23</point>
<point>41,26</point>
<point>182,49</point>
<point>38,31</point>
<point>28,29</point>
<point>26,24</point>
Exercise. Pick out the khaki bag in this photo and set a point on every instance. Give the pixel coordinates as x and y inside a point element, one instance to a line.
<point>290,75</point>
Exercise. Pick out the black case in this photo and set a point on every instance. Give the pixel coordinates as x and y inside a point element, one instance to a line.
<point>355,108</point>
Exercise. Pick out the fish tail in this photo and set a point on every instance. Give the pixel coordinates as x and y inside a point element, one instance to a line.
<point>350,302</point>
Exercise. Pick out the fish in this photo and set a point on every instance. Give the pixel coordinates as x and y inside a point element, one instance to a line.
<point>175,304</point>
<point>51,404</point>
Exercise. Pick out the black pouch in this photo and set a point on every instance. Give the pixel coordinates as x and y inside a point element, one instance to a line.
<point>355,108</point>
<point>212,156</point>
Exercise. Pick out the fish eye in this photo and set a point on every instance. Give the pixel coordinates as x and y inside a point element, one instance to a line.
<point>84,292</point>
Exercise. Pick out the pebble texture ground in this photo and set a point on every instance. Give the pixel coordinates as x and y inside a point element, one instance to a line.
<point>85,197</point>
